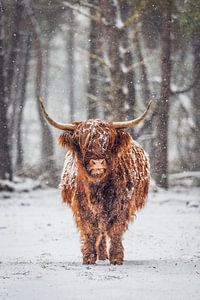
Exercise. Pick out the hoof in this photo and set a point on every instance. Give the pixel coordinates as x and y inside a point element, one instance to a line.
<point>116,262</point>
<point>89,260</point>
<point>102,256</point>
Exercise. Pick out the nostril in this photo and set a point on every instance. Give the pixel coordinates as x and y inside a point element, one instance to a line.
<point>103,162</point>
<point>97,163</point>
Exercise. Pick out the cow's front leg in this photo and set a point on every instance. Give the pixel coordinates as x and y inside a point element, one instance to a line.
<point>116,252</point>
<point>89,248</point>
<point>102,248</point>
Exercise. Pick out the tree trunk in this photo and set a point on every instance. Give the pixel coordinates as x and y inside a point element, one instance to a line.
<point>21,101</point>
<point>11,64</point>
<point>71,64</point>
<point>46,135</point>
<point>161,145</point>
<point>148,124</point>
<point>46,58</point>
<point>129,74</point>
<point>144,77</point>
<point>97,73</point>
<point>117,92</point>
<point>115,35</point>
<point>17,90</point>
<point>196,100</point>
<point>5,155</point>
<point>47,152</point>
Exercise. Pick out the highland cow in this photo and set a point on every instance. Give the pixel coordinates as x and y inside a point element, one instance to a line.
<point>105,180</point>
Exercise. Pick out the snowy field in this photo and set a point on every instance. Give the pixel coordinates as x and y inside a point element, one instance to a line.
<point>40,250</point>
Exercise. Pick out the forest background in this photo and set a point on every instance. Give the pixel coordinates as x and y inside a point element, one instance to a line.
<point>99,59</point>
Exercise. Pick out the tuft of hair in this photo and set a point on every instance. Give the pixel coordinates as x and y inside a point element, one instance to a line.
<point>65,140</point>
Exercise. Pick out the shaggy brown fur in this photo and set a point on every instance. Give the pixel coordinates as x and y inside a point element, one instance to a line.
<point>103,203</point>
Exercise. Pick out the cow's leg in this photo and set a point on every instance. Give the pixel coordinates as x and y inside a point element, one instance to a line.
<point>116,252</point>
<point>89,247</point>
<point>102,248</point>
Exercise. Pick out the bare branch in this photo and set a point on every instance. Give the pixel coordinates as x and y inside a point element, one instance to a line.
<point>178,92</point>
<point>135,65</point>
<point>100,60</point>
<point>134,18</point>
<point>90,5</point>
<point>97,19</point>
<point>96,57</point>
<point>131,20</point>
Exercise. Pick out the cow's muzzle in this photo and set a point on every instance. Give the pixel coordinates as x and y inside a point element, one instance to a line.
<point>97,167</point>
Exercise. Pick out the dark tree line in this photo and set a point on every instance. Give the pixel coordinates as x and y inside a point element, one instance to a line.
<point>21,39</point>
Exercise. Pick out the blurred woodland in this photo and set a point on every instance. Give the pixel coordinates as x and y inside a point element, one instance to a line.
<point>99,59</point>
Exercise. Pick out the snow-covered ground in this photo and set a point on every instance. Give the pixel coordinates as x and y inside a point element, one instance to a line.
<point>40,250</point>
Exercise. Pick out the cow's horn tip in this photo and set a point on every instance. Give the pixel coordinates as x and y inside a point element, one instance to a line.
<point>150,104</point>
<point>40,99</point>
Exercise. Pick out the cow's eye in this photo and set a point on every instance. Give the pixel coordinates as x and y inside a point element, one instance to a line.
<point>92,161</point>
<point>116,145</point>
<point>76,144</point>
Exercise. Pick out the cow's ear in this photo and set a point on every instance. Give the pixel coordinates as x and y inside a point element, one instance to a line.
<point>121,141</point>
<point>68,141</point>
<point>65,140</point>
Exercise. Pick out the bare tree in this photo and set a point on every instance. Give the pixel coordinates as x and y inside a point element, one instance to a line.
<point>24,61</point>
<point>46,135</point>
<point>18,84</point>
<point>143,68</point>
<point>71,61</point>
<point>13,49</point>
<point>161,145</point>
<point>125,11</point>
<point>117,47</point>
<point>95,53</point>
<point>196,101</point>
<point>5,155</point>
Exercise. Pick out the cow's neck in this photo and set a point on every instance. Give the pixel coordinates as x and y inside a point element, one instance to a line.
<point>103,193</point>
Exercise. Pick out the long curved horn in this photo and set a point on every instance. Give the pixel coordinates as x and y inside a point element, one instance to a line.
<point>131,123</point>
<point>52,122</point>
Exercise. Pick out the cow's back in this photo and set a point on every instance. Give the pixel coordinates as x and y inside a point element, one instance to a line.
<point>131,174</point>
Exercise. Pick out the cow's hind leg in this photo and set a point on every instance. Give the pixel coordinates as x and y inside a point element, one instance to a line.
<point>116,252</point>
<point>89,248</point>
<point>102,248</point>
